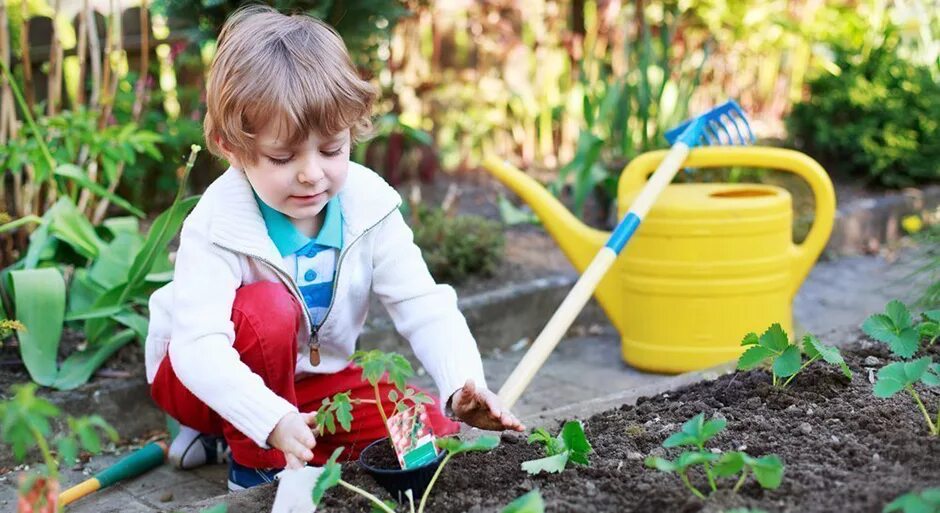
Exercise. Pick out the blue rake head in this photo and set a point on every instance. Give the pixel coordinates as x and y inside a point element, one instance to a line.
<point>714,128</point>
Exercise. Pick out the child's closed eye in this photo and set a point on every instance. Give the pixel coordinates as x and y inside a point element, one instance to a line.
<point>280,161</point>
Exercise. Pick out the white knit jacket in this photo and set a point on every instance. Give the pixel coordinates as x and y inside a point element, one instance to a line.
<point>224,244</point>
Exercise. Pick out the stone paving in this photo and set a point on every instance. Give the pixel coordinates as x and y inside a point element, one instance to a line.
<point>585,368</point>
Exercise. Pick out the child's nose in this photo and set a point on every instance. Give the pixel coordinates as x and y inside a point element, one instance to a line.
<point>311,173</point>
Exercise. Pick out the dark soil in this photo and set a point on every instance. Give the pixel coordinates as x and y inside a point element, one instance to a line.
<point>126,362</point>
<point>844,450</point>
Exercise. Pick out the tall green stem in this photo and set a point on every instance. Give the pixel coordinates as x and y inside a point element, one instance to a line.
<point>367,495</point>
<point>711,478</point>
<point>688,484</point>
<point>29,116</point>
<point>378,403</point>
<point>787,382</point>
<point>933,427</point>
<point>427,491</point>
<point>51,463</point>
<point>737,486</point>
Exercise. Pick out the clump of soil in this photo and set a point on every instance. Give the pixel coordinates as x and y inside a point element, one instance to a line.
<point>381,456</point>
<point>844,450</point>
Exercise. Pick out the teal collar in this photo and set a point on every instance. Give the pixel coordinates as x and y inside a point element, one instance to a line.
<point>289,240</point>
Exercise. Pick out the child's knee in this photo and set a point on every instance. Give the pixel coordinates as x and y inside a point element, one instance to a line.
<point>269,307</point>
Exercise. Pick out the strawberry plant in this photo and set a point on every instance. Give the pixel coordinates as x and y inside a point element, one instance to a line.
<point>786,358</point>
<point>26,424</point>
<point>926,501</point>
<point>896,328</point>
<point>570,445</point>
<point>767,470</point>
<point>332,473</point>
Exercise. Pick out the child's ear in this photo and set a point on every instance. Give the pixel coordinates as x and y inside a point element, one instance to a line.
<point>228,153</point>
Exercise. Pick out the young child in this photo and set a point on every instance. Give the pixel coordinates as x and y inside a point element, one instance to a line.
<point>277,261</point>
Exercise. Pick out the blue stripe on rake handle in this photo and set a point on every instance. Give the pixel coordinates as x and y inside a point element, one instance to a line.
<point>623,232</point>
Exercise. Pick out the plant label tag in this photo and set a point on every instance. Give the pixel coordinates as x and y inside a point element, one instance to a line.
<point>412,437</point>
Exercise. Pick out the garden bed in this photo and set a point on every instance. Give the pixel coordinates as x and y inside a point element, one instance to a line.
<point>844,450</point>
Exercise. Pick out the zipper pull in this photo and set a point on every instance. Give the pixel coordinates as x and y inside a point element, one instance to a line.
<point>314,348</point>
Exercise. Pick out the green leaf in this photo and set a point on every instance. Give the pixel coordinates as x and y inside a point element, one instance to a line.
<point>660,464</point>
<point>933,315</point>
<point>879,327</point>
<point>218,508</point>
<point>750,339</point>
<point>332,472</point>
<point>572,433</point>
<point>906,344</point>
<point>899,314</point>
<point>931,377</point>
<point>894,377</point>
<point>529,503</point>
<point>768,470</point>
<point>454,445</point>
<point>68,450</point>
<point>552,464</point>
<point>753,357</point>
<point>925,501</point>
<point>125,224</point>
<point>830,354</point>
<point>775,338</point>
<point>69,225</point>
<point>690,458</point>
<point>114,261</point>
<point>79,366</point>
<point>76,174</point>
<point>711,428</point>
<point>39,302</point>
<point>788,363</point>
<point>729,464</point>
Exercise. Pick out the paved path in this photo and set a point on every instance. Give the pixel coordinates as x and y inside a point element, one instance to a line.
<point>836,297</point>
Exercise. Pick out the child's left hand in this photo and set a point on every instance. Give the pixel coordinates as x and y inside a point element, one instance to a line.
<point>481,408</point>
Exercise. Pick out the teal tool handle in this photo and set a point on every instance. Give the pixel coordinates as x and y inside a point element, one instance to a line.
<point>147,457</point>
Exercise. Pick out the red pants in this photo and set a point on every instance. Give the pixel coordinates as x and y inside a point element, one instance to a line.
<point>265,315</point>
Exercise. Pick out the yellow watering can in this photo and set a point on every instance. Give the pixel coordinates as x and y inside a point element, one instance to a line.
<point>710,263</point>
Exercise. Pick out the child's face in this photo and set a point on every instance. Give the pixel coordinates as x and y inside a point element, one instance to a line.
<point>298,181</point>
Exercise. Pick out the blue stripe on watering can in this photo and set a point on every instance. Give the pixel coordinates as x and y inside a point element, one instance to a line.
<point>623,232</point>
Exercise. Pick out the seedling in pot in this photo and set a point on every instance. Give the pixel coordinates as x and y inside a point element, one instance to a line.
<point>767,470</point>
<point>896,328</point>
<point>925,501</point>
<point>570,445</point>
<point>332,471</point>
<point>786,358</point>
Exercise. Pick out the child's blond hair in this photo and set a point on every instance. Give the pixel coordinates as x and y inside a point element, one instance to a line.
<point>294,70</point>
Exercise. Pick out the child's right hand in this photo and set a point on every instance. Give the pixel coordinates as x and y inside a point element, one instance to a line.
<point>293,436</point>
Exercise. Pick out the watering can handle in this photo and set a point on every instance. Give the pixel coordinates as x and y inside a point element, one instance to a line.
<point>804,254</point>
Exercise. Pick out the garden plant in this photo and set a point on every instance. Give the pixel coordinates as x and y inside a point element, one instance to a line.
<point>786,358</point>
<point>571,444</point>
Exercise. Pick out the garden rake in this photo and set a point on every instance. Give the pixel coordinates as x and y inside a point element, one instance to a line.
<point>723,125</point>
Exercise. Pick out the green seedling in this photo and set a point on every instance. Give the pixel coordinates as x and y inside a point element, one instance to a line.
<point>26,424</point>
<point>786,358</point>
<point>925,501</point>
<point>898,376</point>
<point>896,328</point>
<point>529,503</point>
<point>332,473</point>
<point>767,470</point>
<point>570,445</point>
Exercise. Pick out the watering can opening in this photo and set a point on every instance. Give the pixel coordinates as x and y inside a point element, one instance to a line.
<point>743,193</point>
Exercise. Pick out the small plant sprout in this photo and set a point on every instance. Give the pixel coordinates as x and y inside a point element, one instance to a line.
<point>898,376</point>
<point>332,473</point>
<point>377,363</point>
<point>570,445</point>
<point>786,358</point>
<point>896,328</point>
<point>26,424</point>
<point>331,476</point>
<point>926,501</point>
<point>455,446</point>
<point>529,503</point>
<point>767,470</point>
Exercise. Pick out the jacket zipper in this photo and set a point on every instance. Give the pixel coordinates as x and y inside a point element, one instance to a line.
<point>314,340</point>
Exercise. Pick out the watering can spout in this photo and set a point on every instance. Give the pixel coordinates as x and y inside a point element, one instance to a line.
<point>579,242</point>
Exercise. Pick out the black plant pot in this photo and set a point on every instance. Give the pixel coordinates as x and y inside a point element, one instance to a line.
<point>396,480</point>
